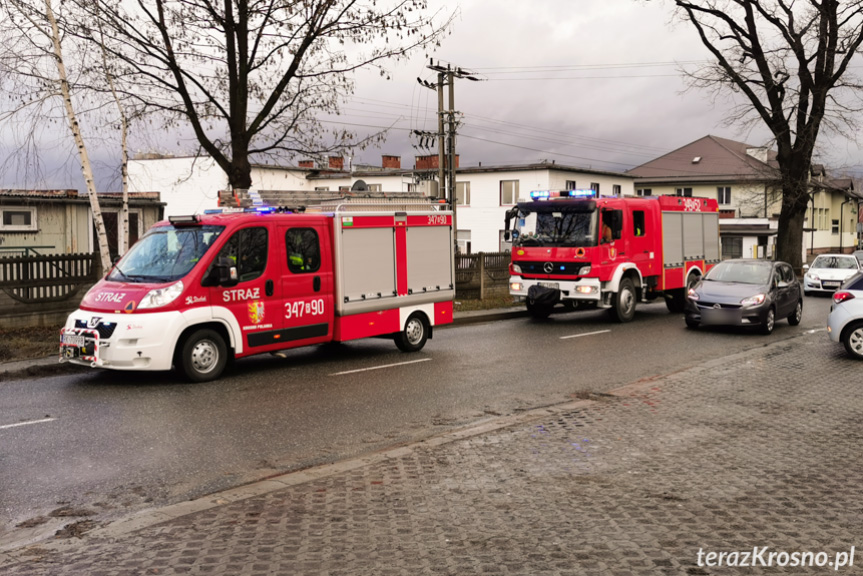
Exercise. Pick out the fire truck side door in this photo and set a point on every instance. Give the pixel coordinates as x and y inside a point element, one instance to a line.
<point>306,285</point>
<point>642,238</point>
<point>254,299</point>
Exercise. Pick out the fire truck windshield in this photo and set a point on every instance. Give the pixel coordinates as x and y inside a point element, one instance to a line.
<point>165,254</point>
<point>560,229</point>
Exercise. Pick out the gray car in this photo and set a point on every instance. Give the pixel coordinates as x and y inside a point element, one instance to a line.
<point>753,293</point>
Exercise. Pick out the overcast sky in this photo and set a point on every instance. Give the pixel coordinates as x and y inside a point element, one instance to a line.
<point>588,83</point>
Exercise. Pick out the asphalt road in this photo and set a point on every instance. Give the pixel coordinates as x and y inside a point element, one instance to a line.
<point>101,445</point>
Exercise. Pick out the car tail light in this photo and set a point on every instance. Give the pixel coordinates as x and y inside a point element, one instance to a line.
<point>840,297</point>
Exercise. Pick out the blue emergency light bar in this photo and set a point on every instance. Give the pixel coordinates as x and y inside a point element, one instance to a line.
<point>547,194</point>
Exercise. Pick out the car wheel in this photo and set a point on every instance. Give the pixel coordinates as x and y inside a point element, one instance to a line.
<point>414,335</point>
<point>623,303</point>
<point>769,322</point>
<point>691,322</point>
<point>203,356</point>
<point>852,338</point>
<point>797,315</point>
<point>538,311</point>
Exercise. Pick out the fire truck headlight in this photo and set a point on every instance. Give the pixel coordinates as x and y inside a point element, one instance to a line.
<point>161,296</point>
<point>693,295</point>
<point>753,300</point>
<point>516,287</point>
<point>585,270</point>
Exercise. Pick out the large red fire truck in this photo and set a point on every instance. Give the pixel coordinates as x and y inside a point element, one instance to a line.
<point>197,291</point>
<point>573,248</point>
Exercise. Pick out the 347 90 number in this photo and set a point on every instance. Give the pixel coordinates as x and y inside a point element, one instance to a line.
<point>298,308</point>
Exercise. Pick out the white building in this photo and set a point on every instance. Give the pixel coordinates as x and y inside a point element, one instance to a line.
<point>189,185</point>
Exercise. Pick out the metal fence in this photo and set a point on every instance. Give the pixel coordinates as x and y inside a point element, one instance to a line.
<point>46,278</point>
<point>482,275</point>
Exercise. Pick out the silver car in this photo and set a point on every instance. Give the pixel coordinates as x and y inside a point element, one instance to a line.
<point>845,322</point>
<point>828,271</point>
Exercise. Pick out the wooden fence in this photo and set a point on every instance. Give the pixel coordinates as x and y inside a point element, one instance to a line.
<point>482,275</point>
<point>40,290</point>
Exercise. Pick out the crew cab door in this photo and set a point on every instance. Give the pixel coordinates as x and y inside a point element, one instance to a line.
<point>253,298</point>
<point>306,283</point>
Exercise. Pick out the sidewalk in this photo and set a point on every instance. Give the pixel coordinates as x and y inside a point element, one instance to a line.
<point>760,449</point>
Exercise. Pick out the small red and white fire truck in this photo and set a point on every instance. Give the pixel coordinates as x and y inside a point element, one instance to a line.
<point>573,248</point>
<point>197,291</point>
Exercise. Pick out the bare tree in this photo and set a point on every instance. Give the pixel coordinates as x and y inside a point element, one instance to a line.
<point>34,55</point>
<point>251,77</point>
<point>789,59</point>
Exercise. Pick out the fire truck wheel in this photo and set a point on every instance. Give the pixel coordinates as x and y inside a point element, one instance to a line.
<point>415,334</point>
<point>624,301</point>
<point>203,356</point>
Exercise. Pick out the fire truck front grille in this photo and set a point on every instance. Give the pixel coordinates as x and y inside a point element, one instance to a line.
<point>105,330</point>
<point>556,268</point>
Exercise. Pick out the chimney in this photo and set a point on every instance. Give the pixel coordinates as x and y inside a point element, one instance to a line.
<point>307,163</point>
<point>431,162</point>
<point>337,163</point>
<point>392,162</point>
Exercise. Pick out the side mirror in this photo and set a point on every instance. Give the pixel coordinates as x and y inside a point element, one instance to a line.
<point>223,273</point>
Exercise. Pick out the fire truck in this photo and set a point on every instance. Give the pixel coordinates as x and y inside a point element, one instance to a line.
<point>196,292</point>
<point>574,248</point>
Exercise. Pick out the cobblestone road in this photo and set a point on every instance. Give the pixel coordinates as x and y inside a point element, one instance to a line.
<point>759,449</point>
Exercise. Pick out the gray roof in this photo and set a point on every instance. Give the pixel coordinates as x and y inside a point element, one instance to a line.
<point>710,158</point>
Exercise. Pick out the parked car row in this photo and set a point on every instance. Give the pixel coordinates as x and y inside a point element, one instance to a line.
<point>757,293</point>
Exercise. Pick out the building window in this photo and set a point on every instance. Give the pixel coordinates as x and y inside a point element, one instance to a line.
<point>834,229</point>
<point>344,188</point>
<point>463,241</point>
<point>322,188</point>
<point>18,219</point>
<point>684,192</point>
<point>462,193</point>
<point>508,192</point>
<point>615,189</point>
<point>570,185</point>
<point>644,192</point>
<point>595,187</point>
<point>723,194</point>
<point>375,187</point>
<point>732,247</point>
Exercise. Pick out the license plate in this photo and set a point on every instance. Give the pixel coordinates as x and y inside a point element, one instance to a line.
<point>832,284</point>
<point>719,316</point>
<point>72,340</point>
<point>554,285</point>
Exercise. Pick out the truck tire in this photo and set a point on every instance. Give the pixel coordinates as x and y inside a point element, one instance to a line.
<point>414,335</point>
<point>203,356</point>
<point>623,302</point>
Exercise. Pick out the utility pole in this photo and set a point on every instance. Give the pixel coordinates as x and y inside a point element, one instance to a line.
<point>446,141</point>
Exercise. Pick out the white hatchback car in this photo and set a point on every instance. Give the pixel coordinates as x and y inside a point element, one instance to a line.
<point>845,322</point>
<point>828,271</point>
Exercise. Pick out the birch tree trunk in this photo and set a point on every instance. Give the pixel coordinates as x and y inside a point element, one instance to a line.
<point>86,167</point>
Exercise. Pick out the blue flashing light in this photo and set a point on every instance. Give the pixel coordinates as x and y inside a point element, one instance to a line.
<point>540,194</point>
<point>583,193</point>
<point>261,209</point>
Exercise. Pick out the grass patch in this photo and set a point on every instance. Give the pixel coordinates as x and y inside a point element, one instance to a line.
<point>486,304</point>
<point>29,343</point>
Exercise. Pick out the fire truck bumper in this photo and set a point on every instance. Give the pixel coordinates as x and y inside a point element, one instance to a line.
<point>120,341</point>
<point>589,289</point>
